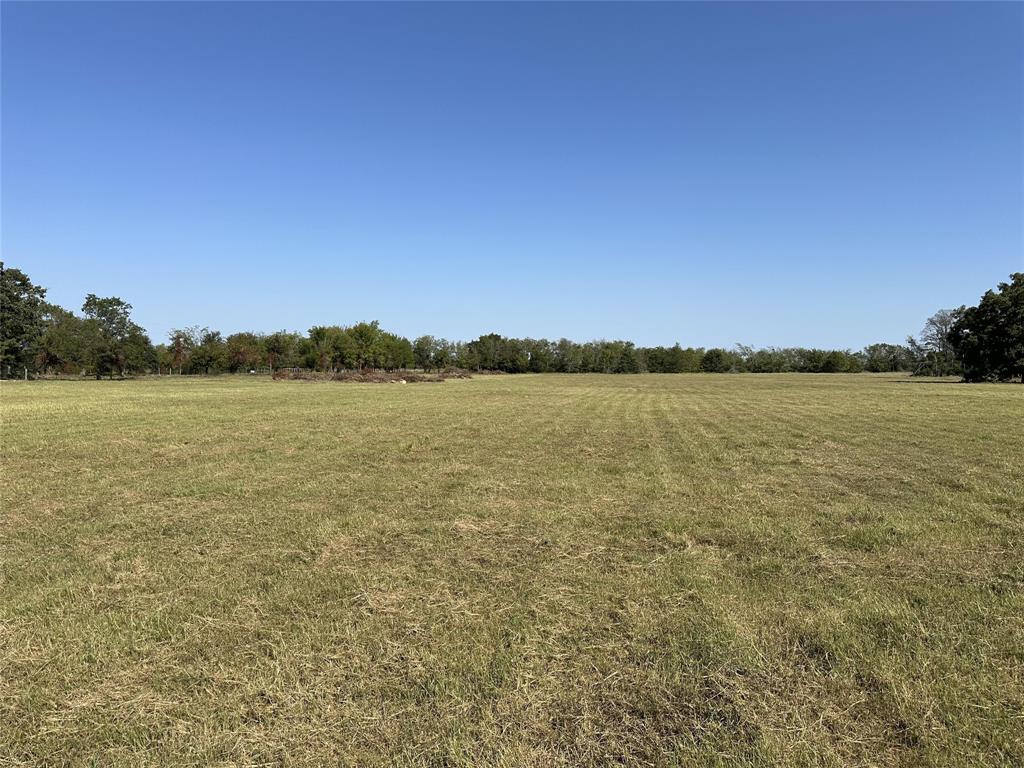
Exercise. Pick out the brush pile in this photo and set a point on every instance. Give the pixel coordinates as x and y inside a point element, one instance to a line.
<point>370,376</point>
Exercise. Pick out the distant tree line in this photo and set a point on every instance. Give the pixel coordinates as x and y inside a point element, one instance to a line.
<point>981,343</point>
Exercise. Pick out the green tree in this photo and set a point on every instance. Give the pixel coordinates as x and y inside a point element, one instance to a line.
<point>324,343</point>
<point>629,361</point>
<point>887,358</point>
<point>989,338</point>
<point>182,342</point>
<point>366,344</point>
<point>396,352</point>
<point>513,356</point>
<point>66,341</point>
<point>138,353</point>
<point>838,361</point>
<point>120,345</point>
<point>568,356</point>
<point>445,353</point>
<point>277,345</point>
<point>244,351</point>
<point>487,352</point>
<point>163,358</point>
<point>423,352</point>
<point>934,353</point>
<point>541,354</point>
<point>343,350</point>
<point>715,361</point>
<point>210,354</point>
<point>466,356</point>
<point>22,321</point>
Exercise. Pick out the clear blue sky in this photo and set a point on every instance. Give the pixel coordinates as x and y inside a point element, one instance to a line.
<point>807,173</point>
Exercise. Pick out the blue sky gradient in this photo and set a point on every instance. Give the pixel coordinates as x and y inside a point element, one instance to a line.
<point>810,174</point>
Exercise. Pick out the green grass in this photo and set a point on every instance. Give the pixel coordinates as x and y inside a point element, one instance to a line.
<point>532,570</point>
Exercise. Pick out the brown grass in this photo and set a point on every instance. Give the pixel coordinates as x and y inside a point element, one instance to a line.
<point>518,570</point>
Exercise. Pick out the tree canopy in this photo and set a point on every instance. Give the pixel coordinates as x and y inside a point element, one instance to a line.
<point>989,338</point>
<point>22,312</point>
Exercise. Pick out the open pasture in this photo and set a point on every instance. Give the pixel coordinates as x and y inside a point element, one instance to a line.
<point>513,570</point>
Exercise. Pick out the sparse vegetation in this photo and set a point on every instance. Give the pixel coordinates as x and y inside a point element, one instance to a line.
<point>521,570</point>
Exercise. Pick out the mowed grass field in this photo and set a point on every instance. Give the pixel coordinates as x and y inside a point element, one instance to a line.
<point>513,571</point>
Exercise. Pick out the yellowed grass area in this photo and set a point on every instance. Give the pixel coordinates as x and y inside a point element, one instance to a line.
<point>518,570</point>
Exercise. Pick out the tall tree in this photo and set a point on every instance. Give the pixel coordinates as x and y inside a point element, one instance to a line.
<point>163,358</point>
<point>182,342</point>
<point>934,353</point>
<point>715,361</point>
<point>423,352</point>
<point>66,342</point>
<point>990,337</point>
<point>120,343</point>
<point>366,344</point>
<point>321,339</point>
<point>210,354</point>
<point>280,349</point>
<point>22,310</point>
<point>244,351</point>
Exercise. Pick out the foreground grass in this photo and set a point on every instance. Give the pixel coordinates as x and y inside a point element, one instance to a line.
<point>534,570</point>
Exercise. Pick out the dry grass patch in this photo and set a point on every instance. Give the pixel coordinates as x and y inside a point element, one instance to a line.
<point>516,570</point>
